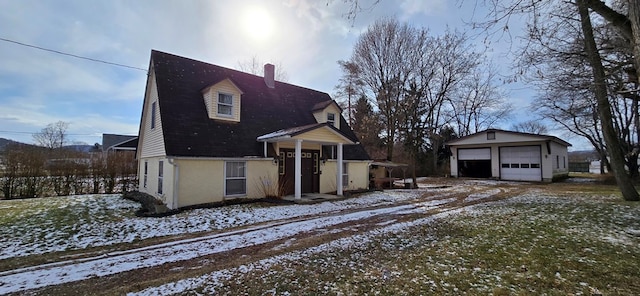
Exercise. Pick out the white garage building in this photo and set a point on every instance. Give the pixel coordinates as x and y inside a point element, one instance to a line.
<point>508,155</point>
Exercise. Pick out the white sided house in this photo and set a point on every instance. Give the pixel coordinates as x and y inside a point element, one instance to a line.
<point>507,155</point>
<point>210,134</point>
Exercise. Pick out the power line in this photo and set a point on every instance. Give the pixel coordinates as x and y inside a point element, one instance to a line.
<point>72,55</point>
<point>30,133</point>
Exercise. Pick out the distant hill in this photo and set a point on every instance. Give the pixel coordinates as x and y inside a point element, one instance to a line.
<point>76,147</point>
<point>4,142</point>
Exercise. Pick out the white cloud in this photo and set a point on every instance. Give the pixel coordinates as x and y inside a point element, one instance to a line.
<point>427,8</point>
<point>39,87</point>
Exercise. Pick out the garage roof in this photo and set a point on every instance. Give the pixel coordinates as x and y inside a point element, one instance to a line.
<point>491,136</point>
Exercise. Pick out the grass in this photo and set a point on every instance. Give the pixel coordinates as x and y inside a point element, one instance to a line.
<point>563,238</point>
<point>574,244</point>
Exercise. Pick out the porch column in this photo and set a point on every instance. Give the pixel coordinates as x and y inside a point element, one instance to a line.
<point>298,170</point>
<point>339,174</point>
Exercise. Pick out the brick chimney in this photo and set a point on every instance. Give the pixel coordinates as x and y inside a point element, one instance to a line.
<point>269,75</point>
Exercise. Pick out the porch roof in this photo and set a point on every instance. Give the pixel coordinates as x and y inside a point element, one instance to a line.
<point>317,132</point>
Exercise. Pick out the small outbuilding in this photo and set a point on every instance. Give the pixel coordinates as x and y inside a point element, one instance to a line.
<point>508,155</point>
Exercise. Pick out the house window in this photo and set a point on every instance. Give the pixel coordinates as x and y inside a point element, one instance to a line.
<point>345,174</point>
<point>564,162</point>
<point>160,175</point>
<point>331,119</point>
<point>235,178</point>
<point>146,171</point>
<point>557,161</point>
<point>491,135</point>
<point>153,115</point>
<point>225,104</point>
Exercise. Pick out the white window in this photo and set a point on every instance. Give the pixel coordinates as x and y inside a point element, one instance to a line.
<point>160,175</point>
<point>146,171</point>
<point>153,115</point>
<point>225,104</point>
<point>331,119</point>
<point>345,174</point>
<point>235,178</point>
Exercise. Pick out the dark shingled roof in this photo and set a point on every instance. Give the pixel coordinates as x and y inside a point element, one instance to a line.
<point>110,141</point>
<point>188,130</point>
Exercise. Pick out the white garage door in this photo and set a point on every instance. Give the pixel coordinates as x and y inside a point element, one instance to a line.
<point>474,153</point>
<point>520,163</point>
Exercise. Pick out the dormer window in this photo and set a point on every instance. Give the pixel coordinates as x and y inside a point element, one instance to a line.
<point>225,104</point>
<point>222,100</point>
<point>327,112</point>
<point>331,119</point>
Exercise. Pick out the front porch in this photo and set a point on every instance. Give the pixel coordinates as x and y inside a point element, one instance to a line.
<point>311,138</point>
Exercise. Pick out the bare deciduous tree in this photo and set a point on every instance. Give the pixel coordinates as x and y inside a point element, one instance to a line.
<point>381,53</point>
<point>530,126</point>
<point>52,136</point>
<point>256,67</point>
<point>478,103</point>
<point>541,11</point>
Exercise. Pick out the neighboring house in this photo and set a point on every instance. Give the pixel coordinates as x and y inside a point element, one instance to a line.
<point>112,142</point>
<point>508,155</point>
<point>209,133</point>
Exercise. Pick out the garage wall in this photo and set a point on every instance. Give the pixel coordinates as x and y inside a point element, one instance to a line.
<point>548,161</point>
<point>553,154</point>
<point>560,160</point>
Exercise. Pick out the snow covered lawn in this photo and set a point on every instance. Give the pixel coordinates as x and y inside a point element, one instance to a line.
<point>45,225</point>
<point>445,238</point>
<point>536,243</point>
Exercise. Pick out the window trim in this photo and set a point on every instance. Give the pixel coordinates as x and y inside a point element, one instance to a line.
<point>331,121</point>
<point>160,176</point>
<point>218,103</point>
<point>226,163</point>
<point>345,174</point>
<point>154,107</point>
<point>146,173</point>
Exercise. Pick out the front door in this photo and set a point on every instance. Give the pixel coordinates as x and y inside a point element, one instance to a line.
<point>310,171</point>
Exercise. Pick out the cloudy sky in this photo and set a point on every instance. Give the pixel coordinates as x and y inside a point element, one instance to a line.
<point>305,37</point>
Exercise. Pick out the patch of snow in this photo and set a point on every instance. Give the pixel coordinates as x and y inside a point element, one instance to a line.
<point>482,195</point>
<point>36,277</point>
<point>87,226</point>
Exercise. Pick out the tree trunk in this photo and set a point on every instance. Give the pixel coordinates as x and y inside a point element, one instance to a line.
<point>604,108</point>
<point>634,18</point>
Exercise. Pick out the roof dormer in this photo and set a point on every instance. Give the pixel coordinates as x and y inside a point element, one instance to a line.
<point>327,112</point>
<point>222,100</point>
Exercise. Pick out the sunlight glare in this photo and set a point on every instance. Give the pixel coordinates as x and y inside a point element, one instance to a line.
<point>258,24</point>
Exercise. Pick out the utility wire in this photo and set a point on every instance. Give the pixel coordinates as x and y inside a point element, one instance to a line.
<point>72,55</point>
<point>30,133</point>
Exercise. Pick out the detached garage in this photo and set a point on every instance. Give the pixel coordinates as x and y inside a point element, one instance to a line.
<point>508,155</point>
